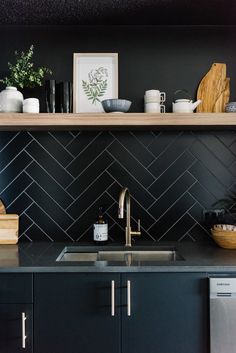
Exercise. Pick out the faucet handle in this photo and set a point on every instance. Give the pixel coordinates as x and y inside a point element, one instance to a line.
<point>139,226</point>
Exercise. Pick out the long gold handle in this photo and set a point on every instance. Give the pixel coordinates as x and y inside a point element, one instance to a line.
<point>128,298</point>
<point>112,298</point>
<point>23,320</point>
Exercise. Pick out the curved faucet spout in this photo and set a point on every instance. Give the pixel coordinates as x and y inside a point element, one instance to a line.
<point>124,192</point>
<point>125,195</point>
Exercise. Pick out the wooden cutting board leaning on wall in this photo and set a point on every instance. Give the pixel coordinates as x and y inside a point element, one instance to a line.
<point>214,90</point>
<point>2,208</point>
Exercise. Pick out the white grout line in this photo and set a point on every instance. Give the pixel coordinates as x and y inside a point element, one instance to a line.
<point>23,212</point>
<point>132,176</point>
<point>84,148</point>
<point>186,233</point>
<point>132,218</point>
<point>199,224</point>
<point>175,222</point>
<point>94,180</point>
<point>24,234</point>
<point>50,176</point>
<point>154,135</point>
<point>63,209</point>
<point>12,160</point>
<point>81,236</point>
<point>73,138</point>
<point>169,208</point>
<point>81,214</point>
<point>31,225</point>
<point>64,148</point>
<point>48,236</point>
<point>164,151</point>
<point>201,141</point>
<point>48,217</point>
<point>207,190</point>
<point>144,146</point>
<point>12,139</point>
<point>57,162</point>
<point>170,165</point>
<point>131,154</point>
<point>146,210</point>
<point>170,186</point>
<point>23,171</point>
<point>210,172</point>
<point>22,192</point>
<point>93,161</point>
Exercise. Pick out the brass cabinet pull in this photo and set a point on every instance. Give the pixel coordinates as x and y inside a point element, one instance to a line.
<point>112,298</point>
<point>128,298</point>
<point>23,320</point>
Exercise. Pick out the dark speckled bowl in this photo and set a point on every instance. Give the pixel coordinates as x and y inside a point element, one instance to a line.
<point>230,107</point>
<point>116,105</point>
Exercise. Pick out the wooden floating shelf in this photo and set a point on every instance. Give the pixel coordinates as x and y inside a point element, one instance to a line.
<point>103,121</point>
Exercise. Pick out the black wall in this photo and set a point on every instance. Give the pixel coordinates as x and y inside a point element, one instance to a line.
<point>168,58</point>
<point>57,181</point>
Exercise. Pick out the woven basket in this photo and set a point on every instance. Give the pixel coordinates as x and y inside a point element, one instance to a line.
<point>224,238</point>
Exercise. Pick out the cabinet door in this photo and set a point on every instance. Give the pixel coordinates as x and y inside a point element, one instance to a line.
<point>168,313</point>
<point>73,313</point>
<point>15,323</point>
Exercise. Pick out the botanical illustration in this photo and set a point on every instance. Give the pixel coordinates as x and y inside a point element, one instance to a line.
<point>96,86</point>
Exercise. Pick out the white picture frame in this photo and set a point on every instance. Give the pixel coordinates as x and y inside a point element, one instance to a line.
<point>95,78</point>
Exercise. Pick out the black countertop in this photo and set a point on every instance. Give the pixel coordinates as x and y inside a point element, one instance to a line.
<point>42,256</point>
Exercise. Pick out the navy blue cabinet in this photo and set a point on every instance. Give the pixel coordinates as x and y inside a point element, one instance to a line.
<point>168,313</point>
<point>16,313</point>
<point>152,313</point>
<point>73,313</point>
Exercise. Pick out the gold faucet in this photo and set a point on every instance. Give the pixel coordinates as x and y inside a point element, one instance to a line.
<point>128,231</point>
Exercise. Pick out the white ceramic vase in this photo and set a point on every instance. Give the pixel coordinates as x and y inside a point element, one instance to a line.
<point>11,100</point>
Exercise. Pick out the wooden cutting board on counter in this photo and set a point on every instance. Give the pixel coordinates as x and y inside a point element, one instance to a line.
<point>9,228</point>
<point>214,90</point>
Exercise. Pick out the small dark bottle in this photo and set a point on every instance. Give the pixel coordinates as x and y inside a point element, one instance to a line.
<point>65,97</point>
<point>100,229</point>
<point>50,88</point>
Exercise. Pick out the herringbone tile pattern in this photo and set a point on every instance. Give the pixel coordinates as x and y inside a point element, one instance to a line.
<point>57,180</point>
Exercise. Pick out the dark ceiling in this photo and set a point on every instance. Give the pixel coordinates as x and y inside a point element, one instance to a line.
<point>118,12</point>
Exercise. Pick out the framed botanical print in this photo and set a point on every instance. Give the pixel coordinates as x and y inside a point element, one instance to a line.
<point>95,79</point>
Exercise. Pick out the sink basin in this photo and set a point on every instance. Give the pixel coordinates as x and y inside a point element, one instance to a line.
<point>138,255</point>
<point>128,257</point>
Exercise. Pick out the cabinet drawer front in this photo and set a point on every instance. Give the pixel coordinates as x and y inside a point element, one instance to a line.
<point>13,339</point>
<point>16,288</point>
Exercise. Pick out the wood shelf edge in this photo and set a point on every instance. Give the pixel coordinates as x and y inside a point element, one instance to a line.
<point>13,121</point>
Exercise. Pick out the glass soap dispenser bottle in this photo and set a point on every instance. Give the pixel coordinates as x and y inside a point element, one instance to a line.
<point>100,229</point>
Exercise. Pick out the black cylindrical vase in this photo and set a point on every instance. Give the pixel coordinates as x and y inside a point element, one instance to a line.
<point>50,87</point>
<point>65,97</point>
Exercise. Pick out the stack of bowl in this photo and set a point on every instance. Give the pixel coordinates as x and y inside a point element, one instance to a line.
<point>224,235</point>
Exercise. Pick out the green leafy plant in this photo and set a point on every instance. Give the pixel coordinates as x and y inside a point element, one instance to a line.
<point>96,86</point>
<point>23,74</point>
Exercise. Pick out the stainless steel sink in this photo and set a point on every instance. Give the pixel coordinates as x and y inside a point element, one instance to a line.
<point>76,254</point>
<point>138,255</point>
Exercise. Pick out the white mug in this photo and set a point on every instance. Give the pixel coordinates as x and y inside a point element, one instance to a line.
<point>154,96</point>
<point>154,108</point>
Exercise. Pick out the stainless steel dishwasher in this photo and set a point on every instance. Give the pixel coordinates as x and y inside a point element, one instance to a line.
<point>223,315</point>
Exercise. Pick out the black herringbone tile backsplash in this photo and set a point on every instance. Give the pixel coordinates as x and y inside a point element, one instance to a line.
<point>57,180</point>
